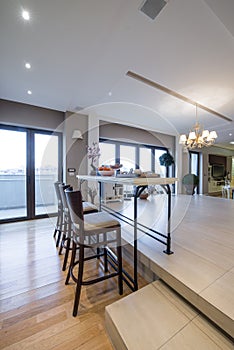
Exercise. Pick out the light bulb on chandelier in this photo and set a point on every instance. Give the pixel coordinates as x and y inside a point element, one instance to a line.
<point>198,137</point>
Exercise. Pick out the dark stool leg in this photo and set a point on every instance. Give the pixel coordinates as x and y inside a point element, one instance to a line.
<point>67,245</point>
<point>67,249</point>
<point>58,238</point>
<point>105,255</point>
<point>63,237</point>
<point>120,270</point>
<point>56,226</point>
<point>79,280</point>
<point>120,266</point>
<point>72,262</point>
<point>59,228</point>
<point>105,260</point>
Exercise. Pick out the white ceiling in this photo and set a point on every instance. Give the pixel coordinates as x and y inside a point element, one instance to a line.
<point>80,50</point>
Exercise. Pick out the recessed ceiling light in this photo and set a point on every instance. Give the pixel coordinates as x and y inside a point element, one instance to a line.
<point>25,15</point>
<point>27,65</point>
<point>230,134</point>
<point>29,92</point>
<point>232,142</point>
<point>110,93</point>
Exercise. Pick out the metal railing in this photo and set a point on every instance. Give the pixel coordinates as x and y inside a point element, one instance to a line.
<point>13,191</point>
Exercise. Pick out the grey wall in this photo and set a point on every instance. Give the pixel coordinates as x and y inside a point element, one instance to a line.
<point>129,134</point>
<point>75,151</point>
<point>20,114</point>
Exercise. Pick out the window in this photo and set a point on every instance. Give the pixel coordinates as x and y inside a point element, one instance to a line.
<point>108,153</point>
<point>145,157</point>
<point>128,157</point>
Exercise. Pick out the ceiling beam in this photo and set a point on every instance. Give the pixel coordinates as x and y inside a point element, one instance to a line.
<point>175,94</point>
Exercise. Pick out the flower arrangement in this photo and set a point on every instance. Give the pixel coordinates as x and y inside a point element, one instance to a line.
<point>94,154</point>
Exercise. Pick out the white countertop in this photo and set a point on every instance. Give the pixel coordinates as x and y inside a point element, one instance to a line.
<point>135,181</point>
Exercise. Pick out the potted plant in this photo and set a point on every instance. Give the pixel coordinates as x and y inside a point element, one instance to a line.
<point>190,182</point>
<point>166,159</point>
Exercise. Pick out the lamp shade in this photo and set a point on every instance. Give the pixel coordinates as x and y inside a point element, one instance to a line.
<point>183,139</point>
<point>205,133</point>
<point>77,135</point>
<point>213,135</point>
<point>192,135</point>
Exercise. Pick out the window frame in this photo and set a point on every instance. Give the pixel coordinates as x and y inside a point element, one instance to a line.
<point>137,148</point>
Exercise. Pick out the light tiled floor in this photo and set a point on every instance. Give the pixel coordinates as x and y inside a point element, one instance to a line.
<point>157,318</point>
<point>202,266</point>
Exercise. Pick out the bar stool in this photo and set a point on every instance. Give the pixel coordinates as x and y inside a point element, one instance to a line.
<point>59,223</point>
<point>97,230</point>
<point>67,229</point>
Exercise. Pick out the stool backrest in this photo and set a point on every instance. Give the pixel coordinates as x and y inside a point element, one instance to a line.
<point>62,188</point>
<point>57,191</point>
<point>74,201</point>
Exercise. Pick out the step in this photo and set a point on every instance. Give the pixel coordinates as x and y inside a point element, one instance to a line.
<point>155,317</point>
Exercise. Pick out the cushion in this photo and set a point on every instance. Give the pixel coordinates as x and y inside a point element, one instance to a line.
<point>99,220</point>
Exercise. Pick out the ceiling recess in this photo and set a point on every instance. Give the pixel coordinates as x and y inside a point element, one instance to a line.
<point>151,8</point>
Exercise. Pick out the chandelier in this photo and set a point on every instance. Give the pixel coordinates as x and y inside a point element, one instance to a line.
<point>198,137</point>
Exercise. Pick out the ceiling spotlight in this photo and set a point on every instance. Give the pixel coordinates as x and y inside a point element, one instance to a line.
<point>230,134</point>
<point>29,92</point>
<point>110,93</point>
<point>25,15</point>
<point>27,65</point>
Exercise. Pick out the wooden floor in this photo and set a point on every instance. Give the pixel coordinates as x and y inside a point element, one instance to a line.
<point>35,305</point>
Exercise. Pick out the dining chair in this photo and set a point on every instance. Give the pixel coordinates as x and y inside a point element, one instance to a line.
<point>97,230</point>
<point>67,229</point>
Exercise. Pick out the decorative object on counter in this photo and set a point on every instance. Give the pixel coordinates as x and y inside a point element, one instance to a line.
<point>148,174</point>
<point>92,192</point>
<point>94,155</point>
<point>105,170</point>
<point>144,194</point>
<point>190,182</point>
<point>116,166</point>
<point>166,159</point>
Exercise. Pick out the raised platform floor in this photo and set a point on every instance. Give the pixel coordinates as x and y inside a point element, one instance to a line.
<point>155,317</point>
<point>202,266</point>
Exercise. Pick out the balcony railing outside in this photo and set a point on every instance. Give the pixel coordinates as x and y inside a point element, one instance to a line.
<point>13,191</point>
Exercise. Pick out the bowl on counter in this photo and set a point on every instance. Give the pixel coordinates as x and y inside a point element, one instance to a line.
<point>106,172</point>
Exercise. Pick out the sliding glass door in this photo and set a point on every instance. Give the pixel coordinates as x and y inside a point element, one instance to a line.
<point>13,174</point>
<point>46,167</point>
<point>30,163</point>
